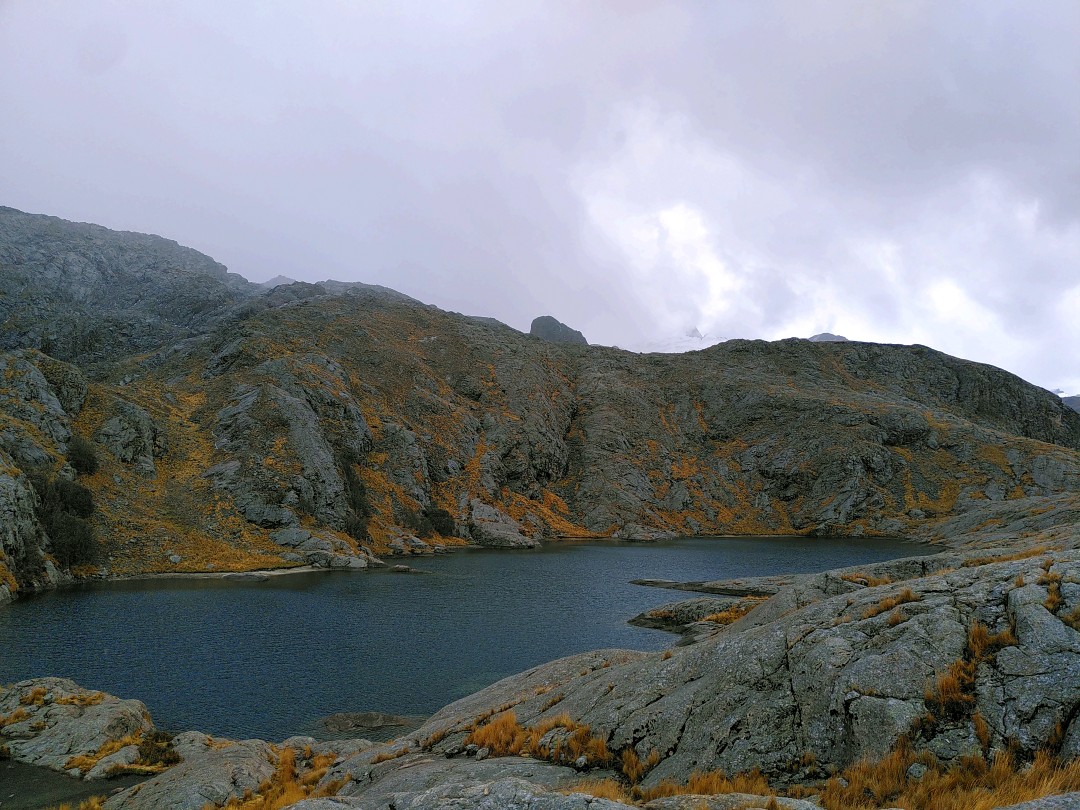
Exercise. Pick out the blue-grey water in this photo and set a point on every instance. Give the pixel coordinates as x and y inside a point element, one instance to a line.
<point>269,659</point>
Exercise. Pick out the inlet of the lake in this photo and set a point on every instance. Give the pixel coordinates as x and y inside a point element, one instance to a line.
<point>269,659</point>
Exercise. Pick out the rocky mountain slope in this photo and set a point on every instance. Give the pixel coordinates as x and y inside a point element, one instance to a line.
<point>1072,402</point>
<point>327,424</point>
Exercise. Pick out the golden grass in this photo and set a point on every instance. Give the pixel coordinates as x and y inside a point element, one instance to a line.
<point>16,716</point>
<point>504,736</point>
<point>1034,551</point>
<point>604,789</point>
<point>905,596</point>
<point>735,612</point>
<point>971,784</point>
<point>93,803</point>
<point>287,786</point>
<point>709,783</point>
<point>35,697</point>
<point>386,756</point>
<point>952,693</point>
<point>84,762</point>
<point>81,699</point>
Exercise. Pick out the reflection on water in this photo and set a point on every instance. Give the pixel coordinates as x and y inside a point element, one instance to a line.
<point>269,659</point>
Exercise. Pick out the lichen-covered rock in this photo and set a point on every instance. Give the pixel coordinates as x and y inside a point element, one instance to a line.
<point>54,723</point>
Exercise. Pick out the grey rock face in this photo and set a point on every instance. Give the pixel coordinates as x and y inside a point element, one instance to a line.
<point>505,794</point>
<point>64,721</point>
<point>212,777</point>
<point>492,528</point>
<point>86,294</point>
<point>548,328</point>
<point>22,543</point>
<point>825,671</point>
<point>133,437</point>
<point>1066,801</point>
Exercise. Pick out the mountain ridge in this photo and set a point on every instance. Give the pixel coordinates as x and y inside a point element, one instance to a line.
<point>294,426</point>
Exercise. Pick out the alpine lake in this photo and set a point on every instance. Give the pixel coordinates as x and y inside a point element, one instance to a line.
<point>270,659</point>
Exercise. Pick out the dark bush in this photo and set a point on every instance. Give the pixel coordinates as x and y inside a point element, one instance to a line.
<point>62,510</point>
<point>416,521</point>
<point>82,456</point>
<point>356,527</point>
<point>441,520</point>
<point>156,748</point>
<point>72,539</point>
<point>74,498</point>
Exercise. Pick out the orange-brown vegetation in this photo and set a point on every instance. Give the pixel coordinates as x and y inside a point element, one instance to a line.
<point>1035,551</point>
<point>504,736</point>
<point>16,716</point>
<point>386,756</point>
<point>973,783</point>
<point>905,596</point>
<point>288,785</point>
<point>710,783</point>
<point>735,612</point>
<point>84,762</point>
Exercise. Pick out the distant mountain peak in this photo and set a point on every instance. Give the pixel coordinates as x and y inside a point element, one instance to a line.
<point>828,337</point>
<point>277,281</point>
<point>551,329</point>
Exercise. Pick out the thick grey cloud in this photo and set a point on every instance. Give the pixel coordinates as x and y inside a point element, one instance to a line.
<point>903,171</point>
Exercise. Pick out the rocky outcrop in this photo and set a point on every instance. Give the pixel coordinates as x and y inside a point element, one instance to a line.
<point>548,328</point>
<point>133,437</point>
<point>85,294</point>
<point>835,669</point>
<point>54,723</point>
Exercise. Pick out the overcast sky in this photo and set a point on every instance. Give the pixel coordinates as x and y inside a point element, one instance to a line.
<point>892,171</point>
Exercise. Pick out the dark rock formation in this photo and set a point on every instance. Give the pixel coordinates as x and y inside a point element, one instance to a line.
<point>547,328</point>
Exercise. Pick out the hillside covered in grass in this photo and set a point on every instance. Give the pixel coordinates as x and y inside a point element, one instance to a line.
<point>158,414</point>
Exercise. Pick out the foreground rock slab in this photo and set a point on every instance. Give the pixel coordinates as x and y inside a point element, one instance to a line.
<point>55,723</point>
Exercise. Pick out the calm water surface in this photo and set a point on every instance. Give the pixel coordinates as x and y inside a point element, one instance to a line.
<point>269,659</point>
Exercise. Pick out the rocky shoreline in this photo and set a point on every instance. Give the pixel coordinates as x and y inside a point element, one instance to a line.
<point>831,668</point>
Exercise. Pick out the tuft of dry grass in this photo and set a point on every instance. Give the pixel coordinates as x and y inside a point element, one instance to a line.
<point>905,596</point>
<point>604,789</point>
<point>35,697</point>
<point>709,783</point>
<point>386,756</point>
<point>972,783</point>
<point>93,803</point>
<point>81,699</point>
<point>287,786</point>
<point>667,655</point>
<point>16,716</point>
<point>504,736</point>
<point>1035,551</point>
<point>732,614</point>
<point>896,617</point>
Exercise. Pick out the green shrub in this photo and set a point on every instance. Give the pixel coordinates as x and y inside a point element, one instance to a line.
<point>62,510</point>
<point>72,538</point>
